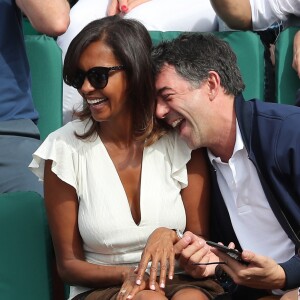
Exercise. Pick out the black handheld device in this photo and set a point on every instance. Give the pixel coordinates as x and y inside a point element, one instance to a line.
<point>233,253</point>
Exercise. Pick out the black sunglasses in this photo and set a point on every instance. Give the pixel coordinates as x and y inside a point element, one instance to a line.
<point>97,76</point>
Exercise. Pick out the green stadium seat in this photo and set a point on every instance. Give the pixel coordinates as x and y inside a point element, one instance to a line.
<point>46,71</point>
<point>28,28</point>
<point>28,267</point>
<point>250,55</point>
<point>26,248</point>
<point>287,81</point>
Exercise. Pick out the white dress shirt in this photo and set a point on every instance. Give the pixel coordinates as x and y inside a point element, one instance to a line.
<point>254,222</point>
<point>267,12</point>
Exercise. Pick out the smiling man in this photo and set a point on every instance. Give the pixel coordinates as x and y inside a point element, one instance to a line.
<point>254,151</point>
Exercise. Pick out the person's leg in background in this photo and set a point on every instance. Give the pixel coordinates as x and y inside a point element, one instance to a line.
<point>18,140</point>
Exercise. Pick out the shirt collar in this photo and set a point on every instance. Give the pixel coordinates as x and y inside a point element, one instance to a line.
<point>239,145</point>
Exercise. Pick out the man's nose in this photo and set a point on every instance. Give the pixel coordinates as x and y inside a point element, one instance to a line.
<point>162,109</point>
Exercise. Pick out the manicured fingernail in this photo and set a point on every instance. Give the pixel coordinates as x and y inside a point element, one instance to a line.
<point>187,238</point>
<point>162,285</point>
<point>138,282</point>
<point>124,8</point>
<point>152,287</point>
<point>129,297</point>
<point>170,277</point>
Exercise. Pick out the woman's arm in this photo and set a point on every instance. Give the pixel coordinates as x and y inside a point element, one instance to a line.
<point>49,17</point>
<point>192,247</point>
<point>196,195</point>
<point>62,211</point>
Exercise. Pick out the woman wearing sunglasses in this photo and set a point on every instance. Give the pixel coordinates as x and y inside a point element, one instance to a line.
<point>166,15</point>
<point>112,178</point>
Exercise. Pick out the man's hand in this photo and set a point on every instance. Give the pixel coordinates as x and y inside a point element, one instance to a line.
<point>124,6</point>
<point>192,250</point>
<point>262,272</point>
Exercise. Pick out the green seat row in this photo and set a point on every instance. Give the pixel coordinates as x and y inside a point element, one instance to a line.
<point>26,249</point>
<point>286,78</point>
<point>46,69</point>
<point>45,62</point>
<point>28,270</point>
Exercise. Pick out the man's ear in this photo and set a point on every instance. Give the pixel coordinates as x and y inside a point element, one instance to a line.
<point>213,84</point>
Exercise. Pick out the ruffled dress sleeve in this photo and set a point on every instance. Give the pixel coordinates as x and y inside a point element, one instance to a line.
<point>179,154</point>
<point>61,147</point>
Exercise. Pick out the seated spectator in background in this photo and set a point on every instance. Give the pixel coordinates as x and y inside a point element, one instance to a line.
<point>113,178</point>
<point>253,149</point>
<point>167,15</point>
<point>260,15</point>
<point>19,135</point>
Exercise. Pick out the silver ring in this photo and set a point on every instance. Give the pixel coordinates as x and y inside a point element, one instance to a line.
<point>122,292</point>
<point>179,233</point>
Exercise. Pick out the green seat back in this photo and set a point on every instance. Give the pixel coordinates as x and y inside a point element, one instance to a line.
<point>28,28</point>
<point>286,78</point>
<point>250,56</point>
<point>46,71</point>
<point>26,249</point>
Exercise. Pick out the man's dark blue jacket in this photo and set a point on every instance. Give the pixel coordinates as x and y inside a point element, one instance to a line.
<point>271,135</point>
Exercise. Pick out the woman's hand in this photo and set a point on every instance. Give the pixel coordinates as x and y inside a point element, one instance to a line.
<point>129,287</point>
<point>124,6</point>
<point>159,251</point>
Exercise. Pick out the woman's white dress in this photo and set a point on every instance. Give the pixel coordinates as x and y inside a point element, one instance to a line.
<point>110,235</point>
